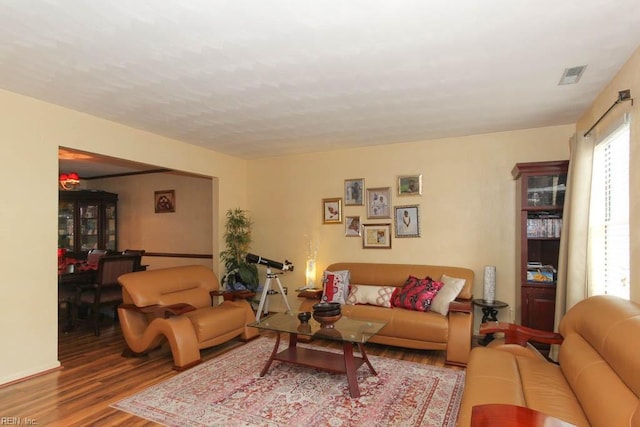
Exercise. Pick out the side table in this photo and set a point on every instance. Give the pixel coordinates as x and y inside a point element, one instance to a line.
<point>489,313</point>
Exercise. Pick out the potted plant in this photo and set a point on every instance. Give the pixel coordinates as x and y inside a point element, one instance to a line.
<point>240,275</point>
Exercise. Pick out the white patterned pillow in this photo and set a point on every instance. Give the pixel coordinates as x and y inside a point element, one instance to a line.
<point>449,292</point>
<point>367,294</point>
<point>336,286</point>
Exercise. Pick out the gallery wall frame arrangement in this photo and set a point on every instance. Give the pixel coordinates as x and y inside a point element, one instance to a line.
<point>165,201</point>
<point>352,226</point>
<point>409,185</point>
<point>332,210</point>
<point>407,220</point>
<point>354,192</point>
<point>376,236</point>
<point>379,203</point>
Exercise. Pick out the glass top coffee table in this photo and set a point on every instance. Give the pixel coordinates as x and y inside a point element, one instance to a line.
<point>348,331</point>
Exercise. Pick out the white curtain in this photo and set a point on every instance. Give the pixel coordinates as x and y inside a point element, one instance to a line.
<point>572,282</point>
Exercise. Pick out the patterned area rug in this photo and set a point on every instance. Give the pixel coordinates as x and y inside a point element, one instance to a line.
<point>227,391</point>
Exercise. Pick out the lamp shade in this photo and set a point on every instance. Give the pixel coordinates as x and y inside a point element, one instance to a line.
<point>310,273</point>
<point>68,180</point>
<point>73,178</point>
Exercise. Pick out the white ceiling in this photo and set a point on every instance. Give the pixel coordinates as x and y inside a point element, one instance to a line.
<point>265,78</point>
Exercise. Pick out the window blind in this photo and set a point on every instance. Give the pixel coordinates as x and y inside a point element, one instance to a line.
<point>609,215</point>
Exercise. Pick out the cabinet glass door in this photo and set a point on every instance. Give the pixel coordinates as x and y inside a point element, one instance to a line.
<point>110,225</point>
<point>89,226</point>
<point>546,190</point>
<point>65,225</point>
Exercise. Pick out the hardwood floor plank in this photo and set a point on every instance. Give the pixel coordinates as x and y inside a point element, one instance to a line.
<point>94,375</point>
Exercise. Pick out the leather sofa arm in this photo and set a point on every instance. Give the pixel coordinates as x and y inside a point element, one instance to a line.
<point>517,334</point>
<point>461,306</point>
<point>157,310</point>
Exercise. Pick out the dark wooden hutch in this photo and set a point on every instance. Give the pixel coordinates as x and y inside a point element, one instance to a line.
<point>540,193</point>
<point>87,219</point>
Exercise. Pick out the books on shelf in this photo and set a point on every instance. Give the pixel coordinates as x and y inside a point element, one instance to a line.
<point>544,227</point>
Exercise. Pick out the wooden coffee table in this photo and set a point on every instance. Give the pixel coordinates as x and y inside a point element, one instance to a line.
<point>348,331</point>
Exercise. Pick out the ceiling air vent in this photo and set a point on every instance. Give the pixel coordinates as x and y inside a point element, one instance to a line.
<point>572,75</point>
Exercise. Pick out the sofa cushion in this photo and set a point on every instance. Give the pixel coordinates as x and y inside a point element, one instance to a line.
<point>416,294</point>
<point>367,294</point>
<point>449,291</point>
<point>336,286</point>
<point>213,322</point>
<point>491,377</point>
<point>589,374</point>
<point>546,390</point>
<point>401,323</point>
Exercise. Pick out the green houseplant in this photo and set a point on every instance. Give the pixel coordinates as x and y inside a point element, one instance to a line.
<point>239,274</point>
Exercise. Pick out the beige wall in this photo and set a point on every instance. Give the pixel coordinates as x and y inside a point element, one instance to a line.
<point>467,208</point>
<point>31,133</point>
<point>188,230</point>
<point>627,78</point>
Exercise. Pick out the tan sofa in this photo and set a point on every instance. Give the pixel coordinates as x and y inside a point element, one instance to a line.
<point>595,383</point>
<point>177,305</point>
<point>408,328</point>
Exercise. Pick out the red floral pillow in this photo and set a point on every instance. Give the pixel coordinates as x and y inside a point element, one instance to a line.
<point>416,294</point>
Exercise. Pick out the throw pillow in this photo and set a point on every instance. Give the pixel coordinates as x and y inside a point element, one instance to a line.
<point>449,292</point>
<point>416,294</point>
<point>336,286</point>
<point>368,294</point>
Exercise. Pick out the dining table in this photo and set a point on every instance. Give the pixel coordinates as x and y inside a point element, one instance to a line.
<point>71,274</point>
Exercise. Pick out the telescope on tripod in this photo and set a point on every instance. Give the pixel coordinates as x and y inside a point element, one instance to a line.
<point>266,289</point>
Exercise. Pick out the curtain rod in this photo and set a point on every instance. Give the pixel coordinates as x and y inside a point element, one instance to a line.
<point>623,95</point>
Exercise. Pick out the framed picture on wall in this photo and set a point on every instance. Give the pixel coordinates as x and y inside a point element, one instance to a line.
<point>379,202</point>
<point>407,221</point>
<point>376,236</point>
<point>332,210</point>
<point>410,185</point>
<point>352,226</point>
<point>165,201</point>
<point>354,192</point>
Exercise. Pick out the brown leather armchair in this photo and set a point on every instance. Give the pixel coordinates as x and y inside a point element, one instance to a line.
<point>177,305</point>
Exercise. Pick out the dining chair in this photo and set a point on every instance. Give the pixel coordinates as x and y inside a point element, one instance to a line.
<point>94,255</point>
<point>106,291</point>
<point>140,252</point>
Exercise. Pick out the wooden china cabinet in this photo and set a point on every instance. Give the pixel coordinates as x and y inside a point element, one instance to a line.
<point>540,193</point>
<point>87,219</point>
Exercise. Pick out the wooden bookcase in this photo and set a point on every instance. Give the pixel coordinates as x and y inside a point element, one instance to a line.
<point>87,220</point>
<point>539,202</point>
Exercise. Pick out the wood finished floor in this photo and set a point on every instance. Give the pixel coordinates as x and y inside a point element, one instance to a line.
<point>94,375</point>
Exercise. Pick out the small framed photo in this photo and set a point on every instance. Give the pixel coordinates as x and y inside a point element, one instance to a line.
<point>376,236</point>
<point>410,185</point>
<point>407,221</point>
<point>165,201</point>
<point>379,202</point>
<point>332,210</point>
<point>354,192</point>
<point>352,226</point>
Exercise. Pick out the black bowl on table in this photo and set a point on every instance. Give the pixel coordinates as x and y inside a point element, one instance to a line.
<point>322,307</point>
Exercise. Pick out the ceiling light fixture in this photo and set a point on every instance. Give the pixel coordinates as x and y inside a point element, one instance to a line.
<point>571,75</point>
<point>68,181</point>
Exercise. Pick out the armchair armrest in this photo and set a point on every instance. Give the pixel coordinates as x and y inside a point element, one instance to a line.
<point>157,310</point>
<point>461,306</point>
<point>232,295</point>
<point>517,334</point>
